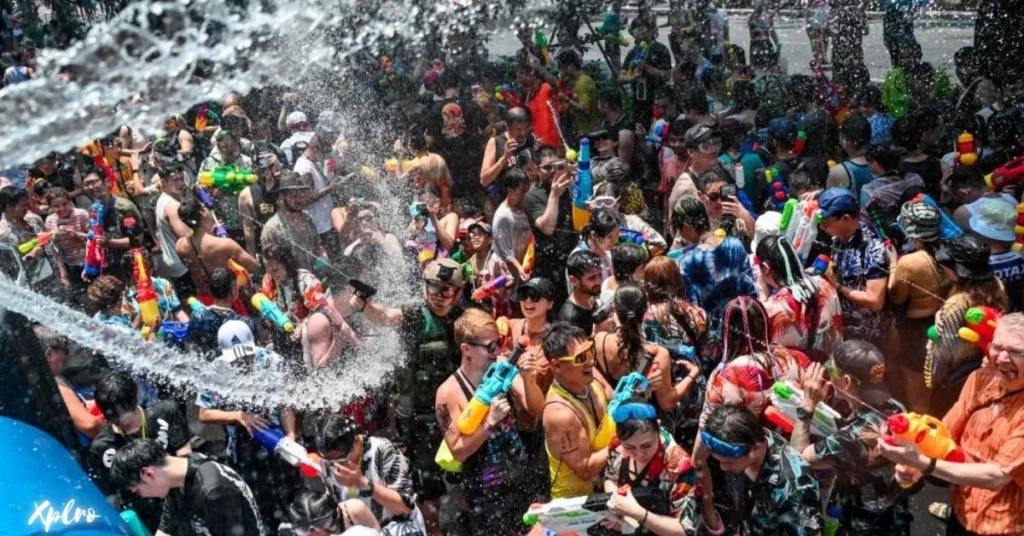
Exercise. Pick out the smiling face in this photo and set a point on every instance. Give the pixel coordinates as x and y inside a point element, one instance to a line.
<point>62,206</point>
<point>533,304</point>
<point>1006,355</point>
<point>479,239</point>
<point>602,244</point>
<point>576,373</point>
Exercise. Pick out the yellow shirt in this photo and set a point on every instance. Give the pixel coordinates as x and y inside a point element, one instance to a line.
<point>565,482</point>
<point>584,91</point>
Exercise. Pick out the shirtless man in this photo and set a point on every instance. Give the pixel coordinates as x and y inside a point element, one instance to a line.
<point>202,252</point>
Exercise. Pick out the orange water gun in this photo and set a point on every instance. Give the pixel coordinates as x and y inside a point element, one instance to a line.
<point>145,293</point>
<point>531,255</point>
<point>41,239</point>
<point>98,154</point>
<point>241,274</point>
<point>981,325</point>
<point>928,435</point>
<point>1018,229</point>
<point>966,150</point>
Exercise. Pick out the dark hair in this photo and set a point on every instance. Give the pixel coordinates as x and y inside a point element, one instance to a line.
<point>802,89</point>
<point>132,458</point>
<point>517,115</point>
<point>417,141</point>
<point>780,255</point>
<point>190,211</point>
<point>966,176</point>
<point>695,99</point>
<point>745,330</point>
<point>817,168</point>
<point>714,175</point>
<point>337,431</point>
<point>116,392</point>
<point>821,134</point>
<point>965,56</point>
<point>449,79</point>
<point>105,292</point>
<point>612,97</point>
<point>907,131</point>
<point>734,424</point>
<point>678,127</point>
<point>56,192</point>
<point>609,188</point>
<point>743,96</point>
<point>314,509</point>
<point>560,337</point>
<point>885,156</point>
<point>283,254</point>
<point>626,258</point>
<point>801,180</point>
<point>712,76</point>
<point>569,57</point>
<point>860,359</point>
<point>10,196</point>
<point>581,261</point>
<point>513,177</point>
<point>923,72</point>
<point>633,426</point>
<point>546,152</point>
<point>690,210</point>
<point>602,222</point>
<point>870,96</point>
<point>630,304</point>
<point>222,283</point>
<point>857,130</point>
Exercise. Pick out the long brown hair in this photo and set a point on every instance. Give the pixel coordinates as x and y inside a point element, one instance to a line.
<point>985,292</point>
<point>664,285</point>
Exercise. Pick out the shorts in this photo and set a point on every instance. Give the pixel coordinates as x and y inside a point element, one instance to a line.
<point>817,18</point>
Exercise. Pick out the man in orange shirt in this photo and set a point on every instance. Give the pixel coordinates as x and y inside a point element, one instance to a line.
<point>988,424</point>
<point>540,99</point>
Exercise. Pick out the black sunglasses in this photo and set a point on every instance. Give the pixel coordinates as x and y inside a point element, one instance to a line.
<point>491,348</point>
<point>530,295</point>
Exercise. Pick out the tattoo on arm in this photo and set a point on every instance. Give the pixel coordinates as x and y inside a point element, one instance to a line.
<point>444,418</point>
<point>568,443</point>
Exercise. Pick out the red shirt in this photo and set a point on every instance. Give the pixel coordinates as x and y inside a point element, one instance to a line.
<point>542,104</point>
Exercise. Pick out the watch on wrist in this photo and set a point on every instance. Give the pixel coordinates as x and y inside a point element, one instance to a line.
<point>803,415</point>
<point>366,492</point>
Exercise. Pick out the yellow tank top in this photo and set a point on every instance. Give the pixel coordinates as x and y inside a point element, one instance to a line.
<point>565,482</point>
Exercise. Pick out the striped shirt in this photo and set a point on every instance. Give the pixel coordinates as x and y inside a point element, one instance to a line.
<point>70,247</point>
<point>990,434</point>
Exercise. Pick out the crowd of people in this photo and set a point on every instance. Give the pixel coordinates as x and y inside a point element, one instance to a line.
<point>620,284</point>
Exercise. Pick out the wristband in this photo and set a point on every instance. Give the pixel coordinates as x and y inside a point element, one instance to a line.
<point>644,520</point>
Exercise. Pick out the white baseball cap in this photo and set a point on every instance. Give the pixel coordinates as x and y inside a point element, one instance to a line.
<point>235,338</point>
<point>295,118</point>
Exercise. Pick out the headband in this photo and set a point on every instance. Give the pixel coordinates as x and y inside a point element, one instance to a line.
<point>723,448</point>
<point>633,410</point>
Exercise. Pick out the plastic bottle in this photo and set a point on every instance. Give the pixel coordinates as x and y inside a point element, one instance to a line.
<point>740,178</point>
<point>832,516</point>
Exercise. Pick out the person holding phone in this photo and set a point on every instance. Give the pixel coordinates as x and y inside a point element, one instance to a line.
<point>720,196</point>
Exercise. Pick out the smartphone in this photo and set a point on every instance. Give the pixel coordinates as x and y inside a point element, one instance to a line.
<point>729,192</point>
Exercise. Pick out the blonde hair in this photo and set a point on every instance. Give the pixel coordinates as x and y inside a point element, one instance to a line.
<point>473,324</point>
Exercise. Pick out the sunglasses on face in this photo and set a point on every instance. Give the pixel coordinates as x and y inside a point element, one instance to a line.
<point>530,295</point>
<point>582,357</point>
<point>715,197</point>
<point>491,348</point>
<point>560,165</point>
<point>442,291</point>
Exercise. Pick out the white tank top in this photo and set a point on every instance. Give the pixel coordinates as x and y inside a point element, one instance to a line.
<point>167,238</point>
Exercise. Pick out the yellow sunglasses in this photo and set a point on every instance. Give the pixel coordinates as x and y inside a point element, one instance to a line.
<point>582,357</point>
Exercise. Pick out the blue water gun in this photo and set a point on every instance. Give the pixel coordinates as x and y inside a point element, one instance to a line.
<point>173,332</point>
<point>497,381</point>
<point>582,188</point>
<point>629,236</point>
<point>95,254</point>
<point>207,200</point>
<point>631,384</point>
<point>948,229</point>
<point>645,49</point>
<point>659,136</point>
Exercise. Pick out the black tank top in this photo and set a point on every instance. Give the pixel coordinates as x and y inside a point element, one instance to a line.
<point>264,204</point>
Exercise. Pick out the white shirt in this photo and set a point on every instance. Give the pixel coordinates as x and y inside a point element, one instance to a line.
<point>286,146</point>
<point>320,210</point>
<point>167,239</point>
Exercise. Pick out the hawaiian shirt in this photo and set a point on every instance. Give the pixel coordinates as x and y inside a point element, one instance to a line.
<point>881,129</point>
<point>871,500</point>
<point>714,277</point>
<point>790,321</point>
<point>784,499</point>
<point>166,299</point>
<point>747,380</point>
<point>860,259</point>
<point>671,471</point>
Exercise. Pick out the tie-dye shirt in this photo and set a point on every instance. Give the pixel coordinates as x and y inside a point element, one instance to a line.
<point>713,277</point>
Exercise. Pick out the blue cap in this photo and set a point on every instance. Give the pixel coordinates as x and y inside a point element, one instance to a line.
<point>836,201</point>
<point>781,128</point>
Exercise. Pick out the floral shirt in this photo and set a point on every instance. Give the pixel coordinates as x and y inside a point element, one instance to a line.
<point>671,471</point>
<point>870,498</point>
<point>861,259</point>
<point>747,380</point>
<point>286,297</point>
<point>715,276</point>
<point>784,499</point>
<point>790,322</point>
<point>166,299</point>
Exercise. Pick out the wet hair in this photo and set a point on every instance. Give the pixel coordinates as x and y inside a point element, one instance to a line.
<point>870,96</point>
<point>115,393</point>
<point>56,192</point>
<point>821,134</point>
<point>712,76</point>
<point>862,360</point>
<point>105,292</point>
<point>191,212</point>
<point>662,280</point>
<point>967,176</point>
<point>582,261</point>
<point>734,424</point>
<point>802,89</point>
<point>885,156</point>
<point>817,168</point>
<point>517,115</point>
<point>857,131</point>
<point>449,79</point>
<point>337,432</point>
<point>569,57</point>
<point>314,509</point>
<point>626,258</point>
<point>132,458</point>
<point>222,283</point>
<point>715,175</point>
<point>690,210</point>
<point>10,196</point>
<point>694,99</point>
<point>630,304</point>
<point>745,330</point>
<point>965,56</point>
<point>560,338</point>
<point>602,222</point>
<point>633,426</point>
<point>801,181</point>
<point>513,177</point>
<point>611,97</point>
<point>743,96</point>
<point>907,131</point>
<point>787,270</point>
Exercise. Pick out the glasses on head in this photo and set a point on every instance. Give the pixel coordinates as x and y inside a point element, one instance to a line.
<point>440,290</point>
<point>581,357</point>
<point>319,524</point>
<point>603,201</point>
<point>491,347</point>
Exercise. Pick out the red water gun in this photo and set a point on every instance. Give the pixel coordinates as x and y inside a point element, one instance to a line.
<point>801,142</point>
<point>564,95</point>
<point>506,94</point>
<point>966,150</point>
<point>830,94</point>
<point>97,152</point>
<point>928,435</point>
<point>145,294</point>
<point>981,325</point>
<point>1009,173</point>
<point>1018,229</point>
<point>490,289</point>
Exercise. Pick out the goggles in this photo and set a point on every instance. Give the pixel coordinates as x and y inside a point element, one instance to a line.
<point>582,357</point>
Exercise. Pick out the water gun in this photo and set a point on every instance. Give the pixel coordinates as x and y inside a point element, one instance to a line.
<point>928,435</point>
<point>204,116</point>
<point>1009,173</point>
<point>173,332</point>
<point>98,154</point>
<point>145,293</point>
<point>40,239</point>
<point>981,325</point>
<point>272,313</point>
<point>778,190</point>
<point>231,179</point>
<point>831,96</point>
<point>659,136</point>
<point>880,225</point>
<point>541,42</point>
<point>95,255</point>
<point>490,289</point>
<point>630,386</point>
<point>807,230</point>
<point>195,305</point>
<point>206,199</point>
<point>645,49</point>
<point>948,229</point>
<point>786,397</point>
<point>506,94</point>
<point>629,236</point>
<point>135,525</point>
<point>822,265</point>
<point>497,381</point>
<point>610,29</point>
<point>582,188</point>
<point>801,142</point>
<point>788,210</point>
<point>530,257</point>
<point>575,515</point>
<point>241,274</point>
<point>966,150</point>
<point>1018,229</point>
<point>294,454</point>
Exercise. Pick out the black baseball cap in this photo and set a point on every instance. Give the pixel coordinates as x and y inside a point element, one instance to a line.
<point>540,285</point>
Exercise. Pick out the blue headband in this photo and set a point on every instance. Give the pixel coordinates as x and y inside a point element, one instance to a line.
<point>634,410</point>
<point>723,448</point>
